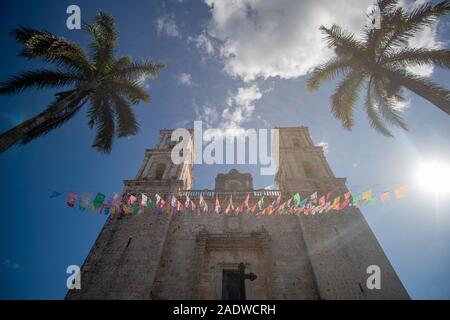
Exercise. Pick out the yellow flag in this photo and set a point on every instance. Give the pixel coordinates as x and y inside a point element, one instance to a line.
<point>367,196</point>
<point>336,203</point>
<point>126,209</point>
<point>400,192</point>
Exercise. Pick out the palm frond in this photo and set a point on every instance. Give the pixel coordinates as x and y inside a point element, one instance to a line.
<point>22,34</point>
<point>127,123</point>
<point>130,89</point>
<point>96,104</point>
<point>134,70</point>
<point>408,24</point>
<point>420,56</point>
<point>388,107</point>
<point>338,38</point>
<point>327,71</point>
<point>50,48</point>
<point>103,39</point>
<point>345,96</point>
<point>102,117</point>
<point>39,79</point>
<point>374,115</point>
<point>387,5</point>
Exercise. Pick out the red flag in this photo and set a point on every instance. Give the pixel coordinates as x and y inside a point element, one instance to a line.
<point>269,209</point>
<point>247,199</point>
<point>322,201</point>
<point>346,201</point>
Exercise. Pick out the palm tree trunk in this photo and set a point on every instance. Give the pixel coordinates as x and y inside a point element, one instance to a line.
<point>422,90</point>
<point>14,135</point>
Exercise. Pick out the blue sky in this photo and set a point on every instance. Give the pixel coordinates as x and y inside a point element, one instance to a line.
<point>241,66</point>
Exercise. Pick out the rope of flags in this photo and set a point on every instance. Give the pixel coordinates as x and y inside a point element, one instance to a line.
<point>170,203</point>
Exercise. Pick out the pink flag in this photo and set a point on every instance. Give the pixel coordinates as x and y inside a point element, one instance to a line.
<point>385,196</point>
<point>131,199</point>
<point>71,199</point>
<point>245,204</point>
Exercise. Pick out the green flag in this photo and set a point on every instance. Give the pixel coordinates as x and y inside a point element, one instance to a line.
<point>356,200</point>
<point>135,208</point>
<point>149,202</point>
<point>261,203</point>
<point>99,199</point>
<point>297,199</point>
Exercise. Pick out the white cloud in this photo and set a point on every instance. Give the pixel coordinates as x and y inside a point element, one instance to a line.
<point>166,24</point>
<point>246,96</point>
<point>185,79</point>
<point>325,146</point>
<point>207,114</point>
<point>266,38</point>
<point>239,110</point>
<point>427,38</point>
<point>203,43</point>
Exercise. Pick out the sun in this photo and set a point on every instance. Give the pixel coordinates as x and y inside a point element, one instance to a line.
<point>434,176</point>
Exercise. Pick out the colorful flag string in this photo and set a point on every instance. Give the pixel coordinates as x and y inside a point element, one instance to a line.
<point>316,203</point>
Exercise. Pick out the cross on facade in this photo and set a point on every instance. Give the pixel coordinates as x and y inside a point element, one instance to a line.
<point>242,277</point>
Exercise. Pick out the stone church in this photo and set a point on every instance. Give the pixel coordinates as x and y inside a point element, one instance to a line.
<point>237,256</point>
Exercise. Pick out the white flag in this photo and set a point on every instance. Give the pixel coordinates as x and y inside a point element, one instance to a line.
<point>144,200</point>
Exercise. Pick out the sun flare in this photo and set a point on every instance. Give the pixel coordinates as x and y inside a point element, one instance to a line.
<point>434,176</point>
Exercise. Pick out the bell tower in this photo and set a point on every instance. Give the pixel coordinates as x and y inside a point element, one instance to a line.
<point>303,166</point>
<point>340,246</point>
<point>158,173</point>
<point>125,258</point>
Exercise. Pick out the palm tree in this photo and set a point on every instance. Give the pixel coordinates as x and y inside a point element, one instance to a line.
<point>378,64</point>
<point>111,85</point>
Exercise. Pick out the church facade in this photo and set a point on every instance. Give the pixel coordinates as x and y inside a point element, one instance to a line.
<point>237,256</point>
